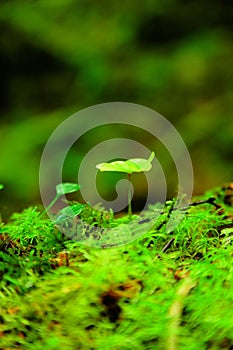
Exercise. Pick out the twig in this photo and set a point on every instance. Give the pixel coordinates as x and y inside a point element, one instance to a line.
<point>169,243</point>
<point>210,200</point>
<point>165,248</point>
<point>175,314</point>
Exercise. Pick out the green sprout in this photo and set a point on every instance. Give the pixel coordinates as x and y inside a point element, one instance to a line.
<point>1,186</point>
<point>69,212</point>
<point>62,189</point>
<point>134,165</point>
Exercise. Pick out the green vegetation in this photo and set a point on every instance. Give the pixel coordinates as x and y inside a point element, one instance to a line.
<point>134,165</point>
<point>62,189</point>
<point>168,291</point>
<point>162,291</point>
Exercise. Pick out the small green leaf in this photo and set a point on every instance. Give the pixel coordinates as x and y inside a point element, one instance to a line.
<point>69,212</point>
<point>134,165</point>
<point>1,186</point>
<point>66,188</point>
<point>61,189</point>
<point>73,210</point>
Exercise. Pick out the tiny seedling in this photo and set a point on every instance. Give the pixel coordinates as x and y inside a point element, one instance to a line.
<point>69,212</point>
<point>1,186</point>
<point>134,165</point>
<point>61,189</point>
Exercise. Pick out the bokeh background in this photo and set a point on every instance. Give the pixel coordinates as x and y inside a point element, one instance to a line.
<point>59,56</point>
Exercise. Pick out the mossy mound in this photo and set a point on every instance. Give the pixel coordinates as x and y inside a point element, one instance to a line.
<point>162,291</point>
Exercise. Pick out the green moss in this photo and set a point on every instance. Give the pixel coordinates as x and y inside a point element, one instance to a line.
<point>59,294</point>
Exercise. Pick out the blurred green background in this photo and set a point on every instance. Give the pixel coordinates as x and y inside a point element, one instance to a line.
<point>59,56</point>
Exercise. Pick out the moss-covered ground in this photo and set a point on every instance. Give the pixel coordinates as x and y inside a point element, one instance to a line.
<point>163,291</point>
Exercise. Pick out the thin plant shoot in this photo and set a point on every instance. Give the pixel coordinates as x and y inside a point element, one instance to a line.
<point>61,189</point>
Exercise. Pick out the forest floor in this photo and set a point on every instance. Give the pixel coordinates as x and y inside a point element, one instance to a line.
<point>164,290</point>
